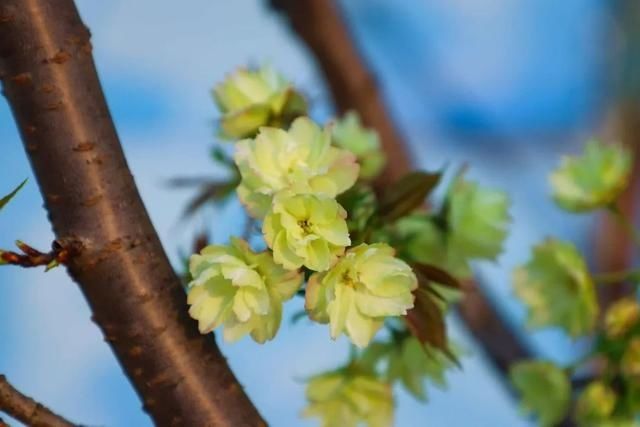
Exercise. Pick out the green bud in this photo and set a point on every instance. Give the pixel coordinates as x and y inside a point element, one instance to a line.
<point>621,317</point>
<point>348,133</point>
<point>240,290</point>
<point>593,180</point>
<point>348,399</point>
<point>557,288</point>
<point>595,404</point>
<point>366,285</point>
<point>249,99</point>
<point>544,388</point>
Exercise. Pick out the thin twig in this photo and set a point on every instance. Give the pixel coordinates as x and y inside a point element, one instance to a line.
<point>27,410</point>
<point>30,257</point>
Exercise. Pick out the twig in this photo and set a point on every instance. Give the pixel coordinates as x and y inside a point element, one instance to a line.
<point>30,257</point>
<point>27,410</point>
<point>51,84</point>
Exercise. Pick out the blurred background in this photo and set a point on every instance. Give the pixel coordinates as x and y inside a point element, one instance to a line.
<point>505,86</point>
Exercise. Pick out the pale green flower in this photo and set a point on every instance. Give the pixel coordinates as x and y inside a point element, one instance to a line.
<point>240,290</point>
<point>557,288</point>
<point>345,399</point>
<point>630,364</point>
<point>544,388</point>
<point>412,363</point>
<point>473,227</point>
<point>595,404</point>
<point>348,133</point>
<point>621,317</point>
<point>249,99</point>
<point>593,180</point>
<point>426,242</point>
<point>477,219</point>
<point>301,161</point>
<point>306,229</point>
<point>366,285</point>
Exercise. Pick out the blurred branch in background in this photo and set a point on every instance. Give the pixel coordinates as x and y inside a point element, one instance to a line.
<point>320,25</point>
<point>615,248</point>
<point>353,87</point>
<point>25,409</point>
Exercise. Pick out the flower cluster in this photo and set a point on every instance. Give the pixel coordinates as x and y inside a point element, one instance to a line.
<point>329,235</point>
<point>560,291</point>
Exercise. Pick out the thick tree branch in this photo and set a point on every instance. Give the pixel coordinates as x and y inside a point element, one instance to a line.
<point>319,24</point>
<point>50,81</point>
<point>26,410</point>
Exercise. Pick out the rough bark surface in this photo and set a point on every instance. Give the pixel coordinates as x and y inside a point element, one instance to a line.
<point>26,410</point>
<point>50,81</point>
<point>320,25</point>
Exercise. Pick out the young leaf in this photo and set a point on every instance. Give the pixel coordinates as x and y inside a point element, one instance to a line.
<point>6,199</point>
<point>426,320</point>
<point>407,194</point>
<point>438,275</point>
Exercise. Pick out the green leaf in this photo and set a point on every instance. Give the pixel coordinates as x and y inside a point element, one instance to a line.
<point>545,390</point>
<point>407,194</point>
<point>6,199</point>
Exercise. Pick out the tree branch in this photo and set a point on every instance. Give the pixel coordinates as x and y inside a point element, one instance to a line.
<point>319,24</point>
<point>50,81</point>
<point>27,410</point>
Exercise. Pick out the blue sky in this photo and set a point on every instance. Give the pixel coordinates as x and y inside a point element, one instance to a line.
<point>469,76</point>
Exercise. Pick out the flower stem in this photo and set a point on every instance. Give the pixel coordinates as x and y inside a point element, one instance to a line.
<point>614,277</point>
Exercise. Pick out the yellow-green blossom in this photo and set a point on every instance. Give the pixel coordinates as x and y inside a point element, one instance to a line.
<point>412,362</point>
<point>474,227</point>
<point>477,218</point>
<point>621,317</point>
<point>426,242</point>
<point>544,388</point>
<point>240,290</point>
<point>348,133</point>
<point>593,180</point>
<point>595,404</point>
<point>630,364</point>
<point>557,288</point>
<point>367,284</point>
<point>306,229</point>
<point>301,161</point>
<point>344,399</point>
<point>249,99</point>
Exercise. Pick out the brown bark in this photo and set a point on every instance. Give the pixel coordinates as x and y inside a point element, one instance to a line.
<point>319,24</point>
<point>50,81</point>
<point>26,410</point>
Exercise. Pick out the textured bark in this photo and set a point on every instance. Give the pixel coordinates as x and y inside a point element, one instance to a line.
<point>26,410</point>
<point>319,24</point>
<point>50,81</point>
